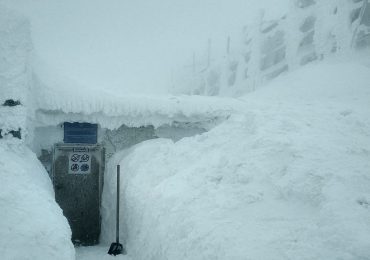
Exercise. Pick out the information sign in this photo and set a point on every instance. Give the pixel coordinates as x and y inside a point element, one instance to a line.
<point>79,163</point>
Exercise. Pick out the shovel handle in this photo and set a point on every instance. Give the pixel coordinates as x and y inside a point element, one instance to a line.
<point>117,209</point>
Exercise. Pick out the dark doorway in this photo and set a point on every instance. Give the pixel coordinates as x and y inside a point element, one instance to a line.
<point>78,179</point>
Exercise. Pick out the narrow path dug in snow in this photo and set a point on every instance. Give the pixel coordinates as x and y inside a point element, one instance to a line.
<point>97,253</point>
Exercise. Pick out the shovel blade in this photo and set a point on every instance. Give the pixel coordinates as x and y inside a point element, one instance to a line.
<point>116,249</point>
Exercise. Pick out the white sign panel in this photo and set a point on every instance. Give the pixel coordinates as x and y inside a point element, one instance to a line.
<point>79,163</point>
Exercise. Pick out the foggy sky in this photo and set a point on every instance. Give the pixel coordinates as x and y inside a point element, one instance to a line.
<point>130,45</point>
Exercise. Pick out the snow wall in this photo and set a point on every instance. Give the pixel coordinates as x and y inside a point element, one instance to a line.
<point>286,179</point>
<point>309,31</point>
<point>32,225</point>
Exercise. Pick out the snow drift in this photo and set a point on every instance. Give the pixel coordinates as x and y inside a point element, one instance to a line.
<point>32,225</point>
<point>286,179</point>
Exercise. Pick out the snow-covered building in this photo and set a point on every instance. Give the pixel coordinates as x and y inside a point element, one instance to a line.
<point>60,121</point>
<point>37,101</point>
<point>285,176</point>
<point>123,120</point>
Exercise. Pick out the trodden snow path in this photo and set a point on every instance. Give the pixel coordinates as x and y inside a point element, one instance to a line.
<point>97,252</point>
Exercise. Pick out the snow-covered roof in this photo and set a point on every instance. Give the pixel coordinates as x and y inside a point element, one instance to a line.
<point>59,100</point>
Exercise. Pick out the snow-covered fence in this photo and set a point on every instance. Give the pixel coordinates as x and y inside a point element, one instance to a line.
<point>311,30</point>
<point>361,37</point>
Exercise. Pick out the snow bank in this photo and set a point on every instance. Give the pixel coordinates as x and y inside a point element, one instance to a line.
<point>288,179</point>
<point>32,225</point>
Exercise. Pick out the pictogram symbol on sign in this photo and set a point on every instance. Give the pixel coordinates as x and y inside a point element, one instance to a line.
<point>79,162</point>
<point>84,167</point>
<point>75,167</point>
<point>85,158</point>
<point>75,157</point>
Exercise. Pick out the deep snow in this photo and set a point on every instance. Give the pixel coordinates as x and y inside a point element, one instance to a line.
<point>286,179</point>
<point>32,225</point>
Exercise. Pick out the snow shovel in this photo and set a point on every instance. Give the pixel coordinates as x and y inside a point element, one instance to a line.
<point>116,248</point>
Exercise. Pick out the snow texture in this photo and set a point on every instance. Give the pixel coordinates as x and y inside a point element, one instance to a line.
<point>32,225</point>
<point>15,48</point>
<point>286,179</point>
<point>97,253</point>
<point>60,100</point>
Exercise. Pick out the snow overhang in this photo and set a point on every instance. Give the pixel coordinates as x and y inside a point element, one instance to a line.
<point>59,99</point>
<point>111,110</point>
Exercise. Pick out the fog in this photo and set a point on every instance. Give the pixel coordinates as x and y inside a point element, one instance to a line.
<point>131,46</point>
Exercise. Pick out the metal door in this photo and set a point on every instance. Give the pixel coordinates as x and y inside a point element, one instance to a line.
<point>78,180</point>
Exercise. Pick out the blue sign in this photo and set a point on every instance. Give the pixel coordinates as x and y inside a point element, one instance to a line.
<point>80,133</point>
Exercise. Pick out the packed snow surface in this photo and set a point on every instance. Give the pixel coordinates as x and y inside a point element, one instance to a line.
<point>97,253</point>
<point>32,225</point>
<point>286,179</point>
